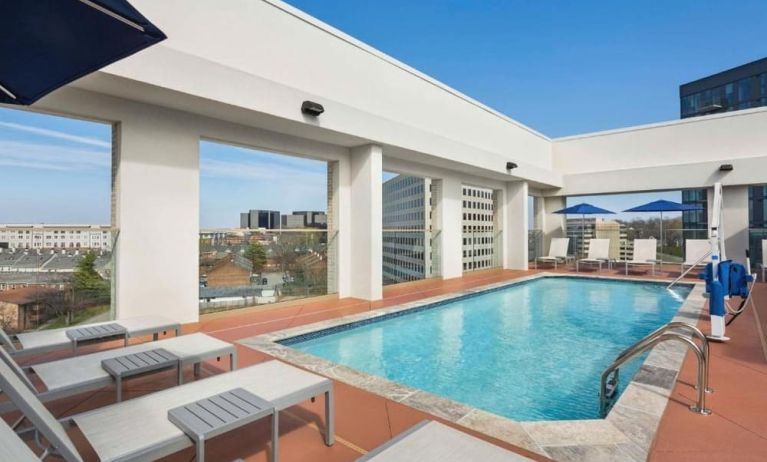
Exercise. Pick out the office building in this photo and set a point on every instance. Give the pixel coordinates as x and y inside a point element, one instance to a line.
<point>741,87</point>
<point>266,219</point>
<point>406,229</point>
<point>41,236</point>
<point>479,228</point>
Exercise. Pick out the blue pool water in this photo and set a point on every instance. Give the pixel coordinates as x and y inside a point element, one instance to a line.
<point>530,351</point>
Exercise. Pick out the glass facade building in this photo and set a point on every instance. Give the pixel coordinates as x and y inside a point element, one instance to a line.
<point>757,221</point>
<point>742,87</point>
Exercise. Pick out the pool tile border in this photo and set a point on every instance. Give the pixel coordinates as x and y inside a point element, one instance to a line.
<point>626,433</point>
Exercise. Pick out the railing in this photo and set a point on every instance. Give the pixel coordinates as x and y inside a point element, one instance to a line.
<point>610,378</point>
<point>482,249</point>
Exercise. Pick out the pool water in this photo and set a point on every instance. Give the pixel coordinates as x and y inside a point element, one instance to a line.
<point>529,351</point>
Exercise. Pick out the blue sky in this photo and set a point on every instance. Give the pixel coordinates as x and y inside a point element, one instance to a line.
<point>560,67</point>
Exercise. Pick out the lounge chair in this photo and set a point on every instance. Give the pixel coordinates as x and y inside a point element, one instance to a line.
<point>557,252</point>
<point>697,252</point>
<point>599,253</point>
<point>763,264</point>
<point>70,376</point>
<point>430,441</point>
<point>12,448</point>
<point>56,339</point>
<point>139,429</point>
<point>645,254</point>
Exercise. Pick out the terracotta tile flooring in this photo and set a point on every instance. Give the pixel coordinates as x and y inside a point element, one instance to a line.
<point>736,431</point>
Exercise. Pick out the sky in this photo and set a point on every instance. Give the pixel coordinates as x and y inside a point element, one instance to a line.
<point>561,68</point>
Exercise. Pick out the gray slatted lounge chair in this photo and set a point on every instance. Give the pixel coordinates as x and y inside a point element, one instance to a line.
<point>645,254</point>
<point>557,252</point>
<point>139,429</point>
<point>599,253</point>
<point>12,448</point>
<point>79,374</point>
<point>56,339</point>
<point>430,441</point>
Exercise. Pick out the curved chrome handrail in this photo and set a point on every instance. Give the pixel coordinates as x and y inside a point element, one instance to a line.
<point>644,345</point>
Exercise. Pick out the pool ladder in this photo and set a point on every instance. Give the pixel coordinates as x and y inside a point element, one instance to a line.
<point>670,332</point>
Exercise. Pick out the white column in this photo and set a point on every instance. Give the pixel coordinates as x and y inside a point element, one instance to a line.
<point>366,224</point>
<point>735,222</point>
<point>156,211</point>
<point>515,223</point>
<point>450,223</point>
<point>552,224</point>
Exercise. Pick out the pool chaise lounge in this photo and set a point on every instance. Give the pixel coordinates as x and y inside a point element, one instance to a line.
<point>56,339</point>
<point>697,252</point>
<point>599,253</point>
<point>78,374</point>
<point>557,252</point>
<point>139,429</point>
<point>431,441</point>
<point>645,254</point>
<point>12,448</point>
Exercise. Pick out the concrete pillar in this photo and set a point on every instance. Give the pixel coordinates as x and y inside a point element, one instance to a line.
<point>735,222</point>
<point>552,224</point>
<point>449,221</point>
<point>366,224</point>
<point>515,225</point>
<point>156,213</point>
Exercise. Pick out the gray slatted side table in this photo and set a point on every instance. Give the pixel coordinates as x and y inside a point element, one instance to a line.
<point>218,414</point>
<point>134,364</point>
<point>102,331</point>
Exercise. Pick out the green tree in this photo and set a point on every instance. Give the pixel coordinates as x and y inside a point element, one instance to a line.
<point>85,277</point>
<point>257,256</point>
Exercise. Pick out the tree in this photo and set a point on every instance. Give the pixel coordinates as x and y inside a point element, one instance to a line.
<point>85,277</point>
<point>257,256</point>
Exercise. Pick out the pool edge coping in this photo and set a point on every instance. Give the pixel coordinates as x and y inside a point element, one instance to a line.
<point>626,433</point>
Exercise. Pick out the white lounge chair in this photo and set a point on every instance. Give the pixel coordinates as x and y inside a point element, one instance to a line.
<point>431,441</point>
<point>599,253</point>
<point>695,253</point>
<point>70,376</point>
<point>12,448</point>
<point>56,339</point>
<point>763,264</point>
<point>645,254</point>
<point>139,429</point>
<point>557,252</point>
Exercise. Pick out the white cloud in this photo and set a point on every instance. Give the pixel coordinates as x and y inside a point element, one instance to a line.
<point>56,134</point>
<point>43,156</point>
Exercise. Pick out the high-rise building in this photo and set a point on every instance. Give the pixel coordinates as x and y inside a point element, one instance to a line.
<point>406,229</point>
<point>741,87</point>
<point>313,219</point>
<point>267,219</point>
<point>479,228</point>
<point>581,230</point>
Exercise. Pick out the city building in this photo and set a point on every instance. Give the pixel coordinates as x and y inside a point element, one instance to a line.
<point>479,228</point>
<point>267,219</point>
<point>42,236</point>
<point>757,221</point>
<point>580,230</point>
<point>293,221</point>
<point>27,308</point>
<point>312,219</point>
<point>741,87</point>
<point>407,238</point>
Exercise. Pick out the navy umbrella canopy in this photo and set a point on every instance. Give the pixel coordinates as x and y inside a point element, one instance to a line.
<point>664,206</point>
<point>45,44</point>
<point>583,210</point>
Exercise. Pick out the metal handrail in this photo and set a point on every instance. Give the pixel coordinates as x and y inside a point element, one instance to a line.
<point>694,265</point>
<point>672,326</point>
<point>642,346</point>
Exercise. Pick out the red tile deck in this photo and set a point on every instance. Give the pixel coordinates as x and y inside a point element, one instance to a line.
<point>736,431</point>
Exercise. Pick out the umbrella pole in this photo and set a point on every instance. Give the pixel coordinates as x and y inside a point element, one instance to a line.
<point>583,233</point>
<point>661,241</point>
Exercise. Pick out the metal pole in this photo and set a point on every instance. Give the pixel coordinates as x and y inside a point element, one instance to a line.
<point>661,241</point>
<point>583,233</point>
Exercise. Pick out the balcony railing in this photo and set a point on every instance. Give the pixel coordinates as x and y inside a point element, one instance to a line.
<point>410,255</point>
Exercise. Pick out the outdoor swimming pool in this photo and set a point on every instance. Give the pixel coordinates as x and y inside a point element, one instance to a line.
<point>529,351</point>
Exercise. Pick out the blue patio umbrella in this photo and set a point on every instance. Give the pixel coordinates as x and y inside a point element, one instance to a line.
<point>664,206</point>
<point>45,44</point>
<point>583,210</point>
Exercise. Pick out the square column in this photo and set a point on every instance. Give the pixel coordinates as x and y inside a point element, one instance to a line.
<point>552,224</point>
<point>515,222</point>
<point>366,223</point>
<point>156,195</point>
<point>734,220</point>
<point>448,222</point>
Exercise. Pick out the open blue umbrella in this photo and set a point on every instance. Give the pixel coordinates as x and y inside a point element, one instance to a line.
<point>583,210</point>
<point>45,44</point>
<point>664,206</point>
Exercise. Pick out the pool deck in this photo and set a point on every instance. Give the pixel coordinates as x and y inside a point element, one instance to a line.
<point>736,431</point>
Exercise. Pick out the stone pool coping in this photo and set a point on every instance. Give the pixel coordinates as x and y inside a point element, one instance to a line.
<point>626,434</point>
